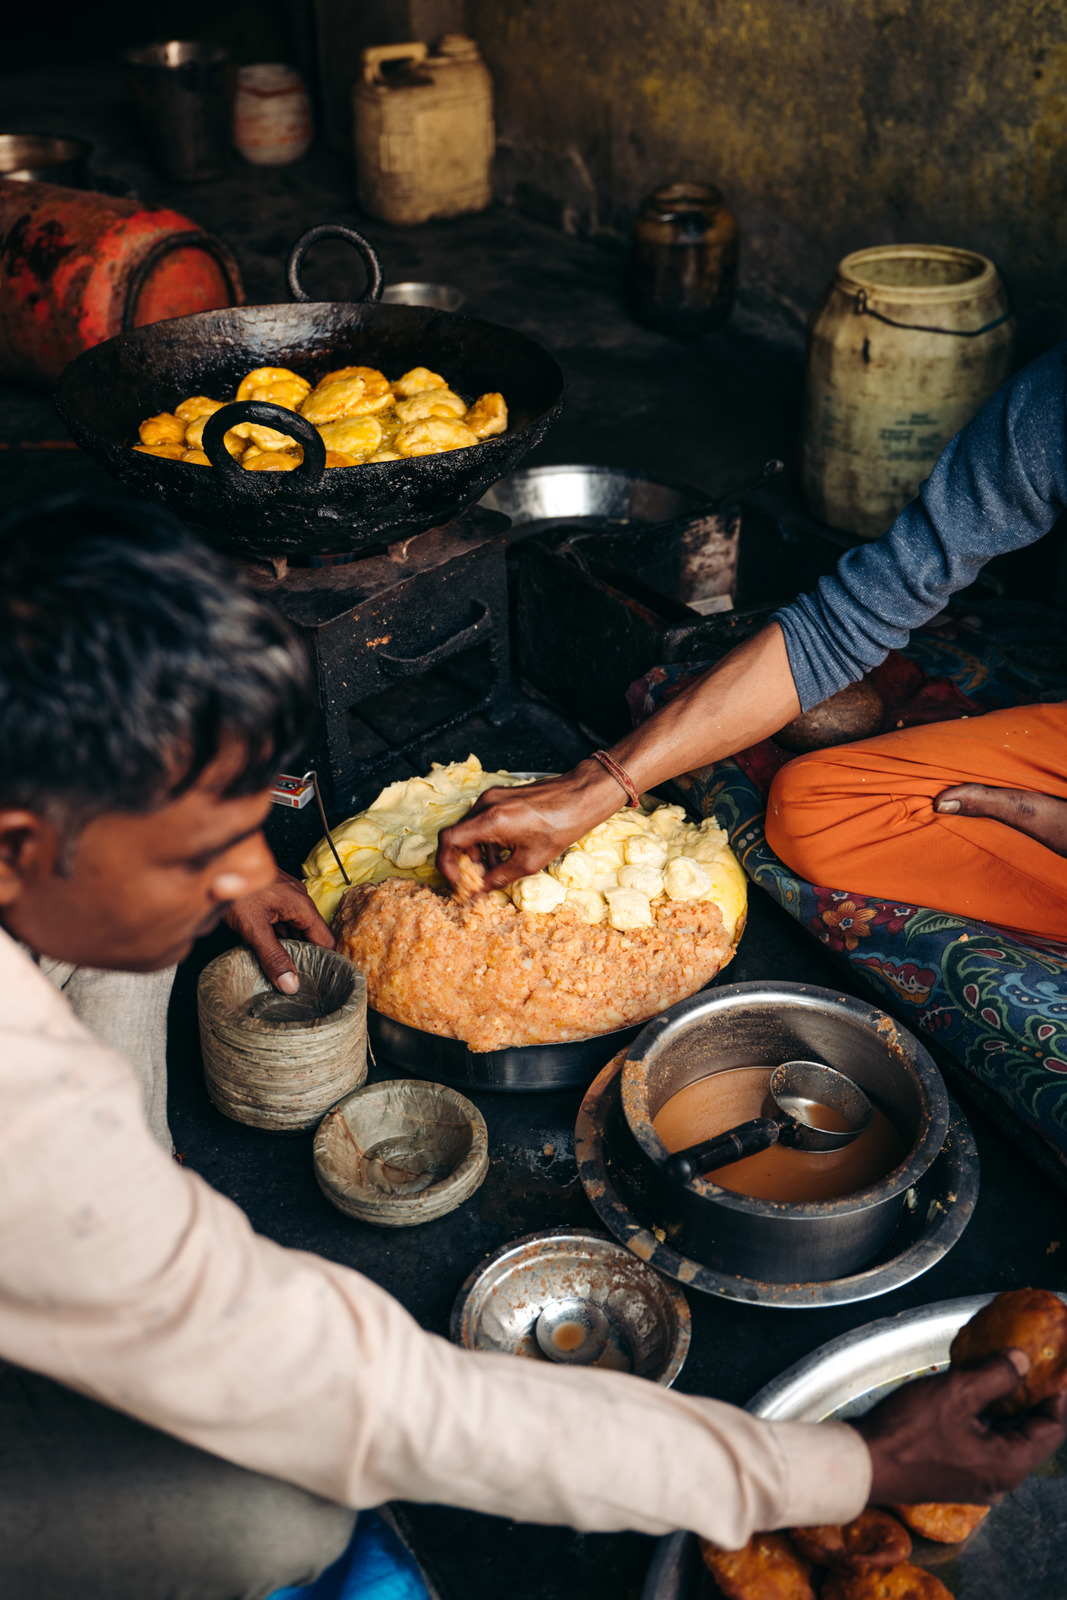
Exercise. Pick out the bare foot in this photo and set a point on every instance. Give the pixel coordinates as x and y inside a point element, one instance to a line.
<point>1042,816</point>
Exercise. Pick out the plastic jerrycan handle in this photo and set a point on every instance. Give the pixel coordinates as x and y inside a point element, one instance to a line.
<point>372,59</point>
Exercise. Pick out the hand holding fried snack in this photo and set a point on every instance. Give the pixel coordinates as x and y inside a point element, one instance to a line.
<point>1031,1320</point>
<point>768,1568</point>
<point>944,1524</point>
<point>871,1542</point>
<point>900,1583</point>
<point>933,1440</point>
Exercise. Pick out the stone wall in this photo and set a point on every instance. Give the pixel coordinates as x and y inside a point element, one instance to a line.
<point>829,124</point>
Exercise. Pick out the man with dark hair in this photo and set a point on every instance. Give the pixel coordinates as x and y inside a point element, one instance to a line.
<point>185,1408</point>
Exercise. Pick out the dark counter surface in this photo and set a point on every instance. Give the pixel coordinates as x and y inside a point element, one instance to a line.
<point>709,411</point>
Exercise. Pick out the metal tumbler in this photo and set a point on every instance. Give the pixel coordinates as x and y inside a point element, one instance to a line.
<point>184,96</point>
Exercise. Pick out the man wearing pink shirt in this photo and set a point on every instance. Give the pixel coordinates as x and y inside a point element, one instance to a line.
<point>186,1409</point>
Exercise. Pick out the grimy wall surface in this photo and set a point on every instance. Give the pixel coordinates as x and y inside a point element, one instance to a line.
<point>829,124</point>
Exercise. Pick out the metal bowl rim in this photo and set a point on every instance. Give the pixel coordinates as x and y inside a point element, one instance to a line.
<point>921,1156</point>
<point>671,1293</point>
<point>602,470</point>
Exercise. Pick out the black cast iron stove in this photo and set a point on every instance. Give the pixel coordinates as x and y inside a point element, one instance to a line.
<point>406,642</point>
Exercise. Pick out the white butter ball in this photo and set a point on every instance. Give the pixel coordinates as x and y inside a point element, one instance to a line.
<point>648,879</point>
<point>539,892</point>
<point>643,850</point>
<point>628,909</point>
<point>666,820</point>
<point>686,879</point>
<point>410,850</point>
<point>589,904</point>
<point>575,870</point>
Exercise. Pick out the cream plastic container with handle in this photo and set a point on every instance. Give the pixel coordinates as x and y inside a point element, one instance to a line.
<point>424,136</point>
<point>906,345</point>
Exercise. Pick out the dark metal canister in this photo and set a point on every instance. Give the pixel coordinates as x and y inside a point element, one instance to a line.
<point>78,267</point>
<point>684,259</point>
<point>183,91</point>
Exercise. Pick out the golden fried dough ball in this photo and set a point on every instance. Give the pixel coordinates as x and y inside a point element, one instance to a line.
<point>337,458</point>
<point>870,1542</point>
<point>488,415</point>
<point>1033,1320</point>
<point>234,443</point>
<point>768,1568</point>
<point>415,381</point>
<point>433,436</point>
<point>271,461</point>
<point>430,403</point>
<point>164,429</point>
<point>385,455</point>
<point>289,395</point>
<point>261,384</point>
<point>166,452</point>
<point>196,458</point>
<point>353,436</point>
<point>263,438</point>
<point>899,1583</point>
<point>375,393</point>
<point>198,405</point>
<point>331,401</point>
<point>945,1524</point>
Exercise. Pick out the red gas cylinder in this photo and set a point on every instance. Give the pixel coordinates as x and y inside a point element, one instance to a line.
<point>78,267</point>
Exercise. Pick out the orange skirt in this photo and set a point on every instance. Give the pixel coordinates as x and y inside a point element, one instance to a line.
<point>861,817</point>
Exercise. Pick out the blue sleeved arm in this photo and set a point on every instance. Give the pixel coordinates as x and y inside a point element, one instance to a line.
<point>998,485</point>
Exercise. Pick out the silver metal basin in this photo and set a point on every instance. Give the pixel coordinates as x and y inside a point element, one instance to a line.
<point>744,1024</point>
<point>606,499</point>
<point>647,1318</point>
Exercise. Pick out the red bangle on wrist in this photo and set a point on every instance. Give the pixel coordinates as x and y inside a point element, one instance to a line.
<point>621,777</point>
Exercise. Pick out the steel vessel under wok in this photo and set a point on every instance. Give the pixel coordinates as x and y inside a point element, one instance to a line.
<point>109,390</point>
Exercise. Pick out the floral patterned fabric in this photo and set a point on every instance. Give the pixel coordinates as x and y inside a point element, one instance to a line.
<point>997,1002</point>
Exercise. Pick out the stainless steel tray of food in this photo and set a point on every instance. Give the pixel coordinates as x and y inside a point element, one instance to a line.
<point>522,1069</point>
<point>1018,1553</point>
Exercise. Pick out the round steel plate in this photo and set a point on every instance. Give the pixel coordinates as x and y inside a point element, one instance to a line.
<point>526,1068</point>
<point>648,1320</point>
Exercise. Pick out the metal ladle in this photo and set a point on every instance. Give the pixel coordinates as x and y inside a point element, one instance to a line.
<point>798,1089</point>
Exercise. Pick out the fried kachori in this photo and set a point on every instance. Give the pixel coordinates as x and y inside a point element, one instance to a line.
<point>358,412</point>
<point>1031,1320</point>
<point>899,1583</point>
<point>944,1524</point>
<point>871,1542</point>
<point>768,1568</point>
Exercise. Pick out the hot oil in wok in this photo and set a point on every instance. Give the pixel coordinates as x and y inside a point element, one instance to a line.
<point>719,1102</point>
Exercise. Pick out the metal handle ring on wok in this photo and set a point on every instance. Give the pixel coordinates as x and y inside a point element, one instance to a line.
<point>335,230</point>
<point>267,415</point>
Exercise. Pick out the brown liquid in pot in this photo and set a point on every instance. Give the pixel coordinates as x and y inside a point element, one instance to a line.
<point>719,1102</point>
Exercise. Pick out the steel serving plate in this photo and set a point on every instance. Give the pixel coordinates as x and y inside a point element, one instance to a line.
<point>616,1177</point>
<point>1019,1551</point>
<point>647,1318</point>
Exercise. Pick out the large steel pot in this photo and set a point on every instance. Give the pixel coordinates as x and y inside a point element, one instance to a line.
<point>749,1024</point>
<point>105,393</point>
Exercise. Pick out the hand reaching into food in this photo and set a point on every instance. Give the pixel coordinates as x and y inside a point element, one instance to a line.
<point>933,1440</point>
<point>285,908</point>
<point>747,696</point>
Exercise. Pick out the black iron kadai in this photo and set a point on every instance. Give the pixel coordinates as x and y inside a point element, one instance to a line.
<point>106,392</point>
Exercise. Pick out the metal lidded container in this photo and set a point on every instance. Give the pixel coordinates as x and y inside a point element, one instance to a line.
<point>747,1024</point>
<point>46,158</point>
<point>183,91</point>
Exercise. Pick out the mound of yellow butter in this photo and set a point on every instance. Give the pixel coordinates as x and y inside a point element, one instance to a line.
<point>619,873</point>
